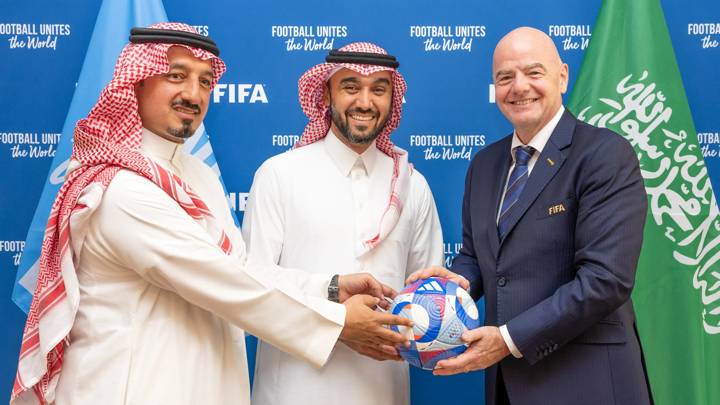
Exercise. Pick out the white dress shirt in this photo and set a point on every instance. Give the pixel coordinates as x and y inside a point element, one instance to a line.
<point>307,209</point>
<point>538,143</point>
<point>158,297</point>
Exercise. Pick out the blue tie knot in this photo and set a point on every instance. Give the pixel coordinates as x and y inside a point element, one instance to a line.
<point>523,155</point>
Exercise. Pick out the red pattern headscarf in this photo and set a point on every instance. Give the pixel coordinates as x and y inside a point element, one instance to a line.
<point>105,142</point>
<point>311,88</point>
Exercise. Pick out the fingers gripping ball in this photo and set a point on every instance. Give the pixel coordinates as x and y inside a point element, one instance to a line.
<point>441,311</point>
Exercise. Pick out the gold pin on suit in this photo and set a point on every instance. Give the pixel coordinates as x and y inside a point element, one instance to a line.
<point>551,162</point>
<point>556,209</point>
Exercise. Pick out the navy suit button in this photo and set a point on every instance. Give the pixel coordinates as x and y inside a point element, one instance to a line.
<point>501,282</point>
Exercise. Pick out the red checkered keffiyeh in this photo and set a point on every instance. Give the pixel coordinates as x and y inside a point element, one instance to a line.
<point>311,89</point>
<point>105,142</point>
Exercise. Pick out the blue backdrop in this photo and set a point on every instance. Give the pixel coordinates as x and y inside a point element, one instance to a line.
<point>445,52</point>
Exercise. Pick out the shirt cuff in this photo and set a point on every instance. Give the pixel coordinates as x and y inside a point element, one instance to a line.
<point>509,342</point>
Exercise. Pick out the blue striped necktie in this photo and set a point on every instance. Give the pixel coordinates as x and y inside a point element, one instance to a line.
<point>515,185</point>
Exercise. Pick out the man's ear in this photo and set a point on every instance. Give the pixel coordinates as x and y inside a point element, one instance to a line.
<point>564,75</point>
<point>139,87</point>
<point>326,95</point>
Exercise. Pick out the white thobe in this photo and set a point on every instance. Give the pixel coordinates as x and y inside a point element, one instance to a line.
<point>158,300</point>
<point>307,209</point>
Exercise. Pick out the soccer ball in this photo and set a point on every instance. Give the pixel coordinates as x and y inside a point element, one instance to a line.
<point>441,311</point>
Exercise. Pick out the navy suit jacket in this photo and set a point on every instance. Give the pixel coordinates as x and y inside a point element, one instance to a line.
<point>561,277</point>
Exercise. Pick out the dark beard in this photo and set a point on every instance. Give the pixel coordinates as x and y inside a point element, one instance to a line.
<point>184,132</point>
<point>353,138</point>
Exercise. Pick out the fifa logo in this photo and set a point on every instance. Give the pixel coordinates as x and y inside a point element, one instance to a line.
<point>239,93</point>
<point>556,209</point>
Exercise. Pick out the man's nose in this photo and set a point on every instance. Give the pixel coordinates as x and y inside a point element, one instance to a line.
<point>364,100</point>
<point>521,84</point>
<point>191,92</point>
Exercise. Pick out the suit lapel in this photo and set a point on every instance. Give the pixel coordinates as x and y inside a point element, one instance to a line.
<point>547,165</point>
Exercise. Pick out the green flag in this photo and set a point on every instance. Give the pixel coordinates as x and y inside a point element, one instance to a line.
<point>630,82</point>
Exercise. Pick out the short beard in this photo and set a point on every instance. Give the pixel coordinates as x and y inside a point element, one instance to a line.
<point>351,137</point>
<point>185,131</point>
<point>182,133</point>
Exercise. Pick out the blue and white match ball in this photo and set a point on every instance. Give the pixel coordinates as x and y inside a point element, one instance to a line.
<point>441,311</point>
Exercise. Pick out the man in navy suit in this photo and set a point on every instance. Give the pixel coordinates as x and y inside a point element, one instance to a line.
<point>553,218</point>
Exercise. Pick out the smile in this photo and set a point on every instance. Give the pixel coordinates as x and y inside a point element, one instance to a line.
<point>185,110</point>
<point>358,117</point>
<point>524,101</point>
<point>185,113</point>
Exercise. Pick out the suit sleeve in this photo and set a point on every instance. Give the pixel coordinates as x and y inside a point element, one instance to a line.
<point>612,207</point>
<point>149,233</point>
<point>465,263</point>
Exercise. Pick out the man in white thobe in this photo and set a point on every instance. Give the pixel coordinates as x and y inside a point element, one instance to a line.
<point>144,283</point>
<point>344,200</point>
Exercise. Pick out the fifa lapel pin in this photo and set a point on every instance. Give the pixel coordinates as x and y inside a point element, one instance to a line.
<point>556,209</point>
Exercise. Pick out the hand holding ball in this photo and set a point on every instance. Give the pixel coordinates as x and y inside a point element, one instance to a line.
<point>441,311</point>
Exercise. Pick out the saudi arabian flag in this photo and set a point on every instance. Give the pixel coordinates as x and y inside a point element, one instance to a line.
<point>630,82</point>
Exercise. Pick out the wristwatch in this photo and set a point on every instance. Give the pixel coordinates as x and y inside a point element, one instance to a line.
<point>334,289</point>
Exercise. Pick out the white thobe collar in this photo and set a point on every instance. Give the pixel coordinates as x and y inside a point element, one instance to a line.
<point>158,147</point>
<point>345,158</point>
<point>540,139</point>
